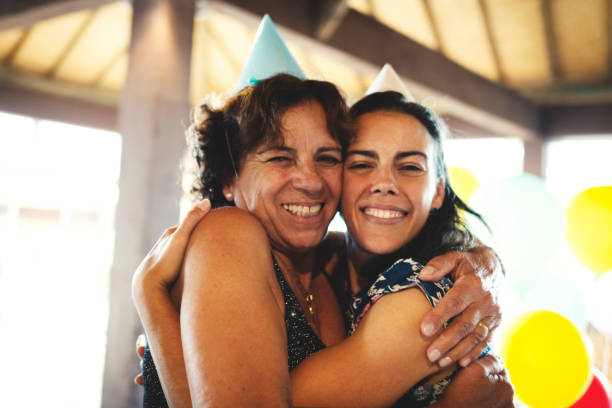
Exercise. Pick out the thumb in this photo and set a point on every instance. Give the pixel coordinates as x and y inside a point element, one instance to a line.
<point>193,217</point>
<point>441,266</point>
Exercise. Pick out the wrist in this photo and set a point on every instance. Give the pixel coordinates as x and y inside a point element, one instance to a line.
<point>146,289</point>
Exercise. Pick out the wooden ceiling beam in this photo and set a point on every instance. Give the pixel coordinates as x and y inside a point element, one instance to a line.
<point>609,20</point>
<point>24,13</point>
<point>327,16</point>
<point>557,121</point>
<point>484,11</point>
<point>42,105</point>
<point>371,44</point>
<point>433,22</point>
<point>551,42</point>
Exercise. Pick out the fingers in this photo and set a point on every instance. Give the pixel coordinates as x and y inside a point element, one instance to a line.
<point>491,365</point>
<point>467,349</point>
<point>138,380</point>
<point>192,218</point>
<point>480,351</point>
<point>141,343</point>
<point>452,304</point>
<point>441,266</point>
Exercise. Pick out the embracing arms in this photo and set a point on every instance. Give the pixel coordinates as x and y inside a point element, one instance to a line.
<point>231,324</point>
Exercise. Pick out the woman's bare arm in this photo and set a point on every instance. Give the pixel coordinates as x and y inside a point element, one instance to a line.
<point>232,325</point>
<point>150,285</point>
<point>376,365</point>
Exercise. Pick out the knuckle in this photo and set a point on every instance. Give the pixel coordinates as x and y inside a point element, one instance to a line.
<point>465,328</point>
<point>169,231</point>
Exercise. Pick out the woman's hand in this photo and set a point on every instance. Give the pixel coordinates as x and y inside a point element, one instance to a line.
<point>163,262</point>
<point>160,269</point>
<point>484,383</point>
<point>473,303</point>
<point>141,343</point>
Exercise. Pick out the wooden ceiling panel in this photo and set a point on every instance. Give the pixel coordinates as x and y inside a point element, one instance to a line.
<point>463,35</point>
<point>197,81</point>
<point>46,42</point>
<point>408,17</point>
<point>114,78</point>
<point>318,66</point>
<point>580,29</point>
<point>221,45</point>
<point>9,40</point>
<point>217,65</point>
<point>362,6</point>
<point>234,37</point>
<point>106,36</point>
<point>518,31</point>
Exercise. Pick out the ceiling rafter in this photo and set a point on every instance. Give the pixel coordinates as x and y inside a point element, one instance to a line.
<point>551,42</point>
<point>24,13</point>
<point>429,73</point>
<point>609,20</point>
<point>109,65</point>
<point>72,43</point>
<point>236,65</point>
<point>327,16</point>
<point>11,55</point>
<point>433,22</point>
<point>486,18</point>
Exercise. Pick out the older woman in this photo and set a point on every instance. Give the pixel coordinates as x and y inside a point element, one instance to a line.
<point>253,300</point>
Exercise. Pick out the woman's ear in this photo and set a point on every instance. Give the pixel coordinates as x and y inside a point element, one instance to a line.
<point>228,193</point>
<point>440,193</point>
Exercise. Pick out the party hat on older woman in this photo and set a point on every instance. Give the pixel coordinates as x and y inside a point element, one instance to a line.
<point>268,56</point>
<point>388,80</point>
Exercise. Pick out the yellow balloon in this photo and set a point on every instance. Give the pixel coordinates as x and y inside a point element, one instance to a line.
<point>589,228</point>
<point>547,358</point>
<point>463,182</point>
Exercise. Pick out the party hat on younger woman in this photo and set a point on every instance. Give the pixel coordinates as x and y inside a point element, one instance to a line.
<point>388,80</point>
<point>269,56</point>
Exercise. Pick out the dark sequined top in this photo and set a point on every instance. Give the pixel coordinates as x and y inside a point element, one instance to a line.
<point>301,343</point>
<point>301,339</point>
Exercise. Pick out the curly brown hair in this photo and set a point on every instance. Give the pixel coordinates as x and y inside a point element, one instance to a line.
<point>220,139</point>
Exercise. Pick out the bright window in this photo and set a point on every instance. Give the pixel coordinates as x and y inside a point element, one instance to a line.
<point>58,191</point>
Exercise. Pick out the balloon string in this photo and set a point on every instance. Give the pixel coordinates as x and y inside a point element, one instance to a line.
<point>606,355</point>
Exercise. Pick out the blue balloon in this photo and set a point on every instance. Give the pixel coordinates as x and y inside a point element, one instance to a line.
<point>527,225</point>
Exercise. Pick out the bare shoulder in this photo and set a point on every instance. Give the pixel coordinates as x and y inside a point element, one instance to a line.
<point>229,240</point>
<point>229,227</point>
<point>397,313</point>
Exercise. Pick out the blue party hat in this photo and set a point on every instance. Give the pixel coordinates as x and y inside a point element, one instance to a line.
<point>269,56</point>
<point>388,80</point>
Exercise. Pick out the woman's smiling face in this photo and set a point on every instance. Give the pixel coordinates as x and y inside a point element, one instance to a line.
<point>294,188</point>
<point>390,183</point>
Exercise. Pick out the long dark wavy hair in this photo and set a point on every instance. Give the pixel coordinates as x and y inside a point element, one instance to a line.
<point>219,139</point>
<point>445,229</point>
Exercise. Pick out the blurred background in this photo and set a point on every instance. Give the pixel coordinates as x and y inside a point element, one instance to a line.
<point>94,100</point>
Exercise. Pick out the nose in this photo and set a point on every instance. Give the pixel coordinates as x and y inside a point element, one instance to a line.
<point>306,178</point>
<point>384,184</point>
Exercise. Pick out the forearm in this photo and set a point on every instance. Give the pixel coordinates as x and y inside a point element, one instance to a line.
<point>160,319</point>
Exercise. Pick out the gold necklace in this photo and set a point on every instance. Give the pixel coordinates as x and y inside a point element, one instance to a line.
<point>308,297</point>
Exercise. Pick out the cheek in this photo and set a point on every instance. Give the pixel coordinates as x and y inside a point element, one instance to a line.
<point>333,179</point>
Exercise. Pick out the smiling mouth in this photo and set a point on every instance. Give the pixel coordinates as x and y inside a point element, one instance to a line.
<point>303,210</point>
<point>383,214</point>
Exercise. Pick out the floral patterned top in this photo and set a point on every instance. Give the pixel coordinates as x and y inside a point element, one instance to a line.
<point>400,276</point>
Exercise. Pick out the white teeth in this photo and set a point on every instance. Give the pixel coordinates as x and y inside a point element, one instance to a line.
<point>303,210</point>
<point>375,212</point>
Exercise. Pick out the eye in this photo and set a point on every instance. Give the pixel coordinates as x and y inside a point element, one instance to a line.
<point>278,159</point>
<point>359,166</point>
<point>412,169</point>
<point>328,160</point>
